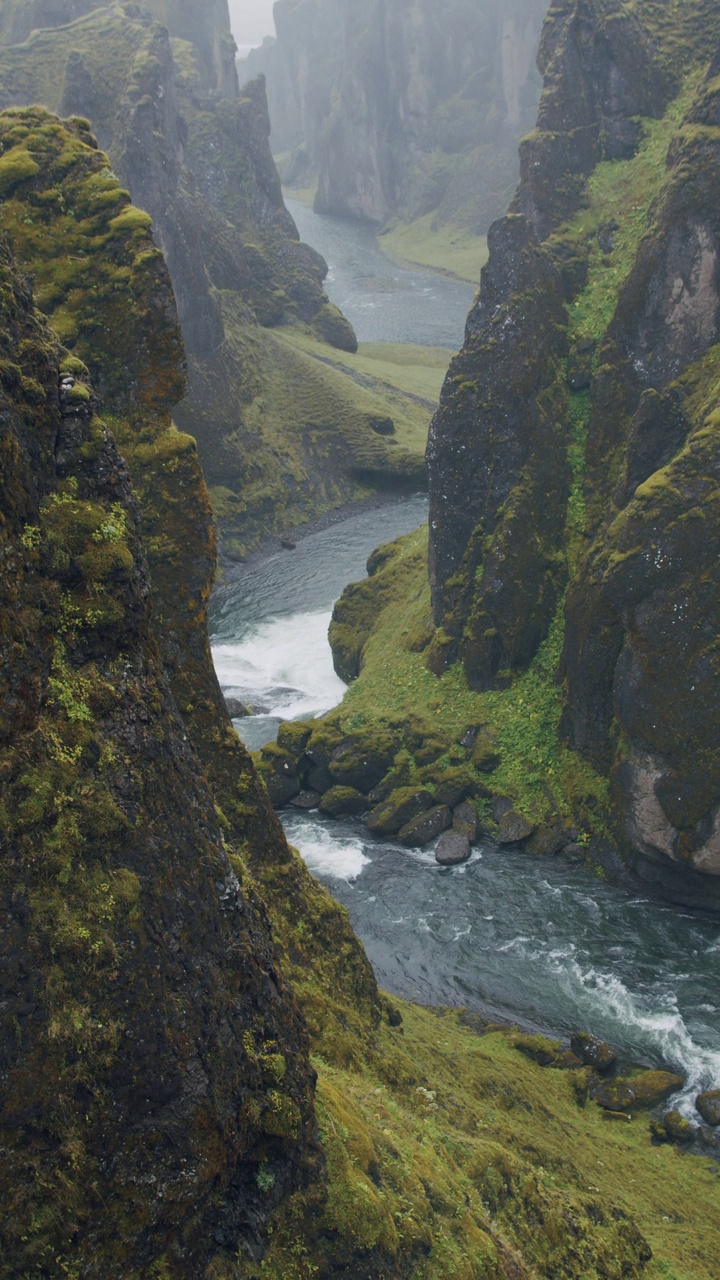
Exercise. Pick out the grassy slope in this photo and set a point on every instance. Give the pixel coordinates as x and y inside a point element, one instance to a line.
<point>455,1156</point>
<point>455,250</point>
<point>542,777</point>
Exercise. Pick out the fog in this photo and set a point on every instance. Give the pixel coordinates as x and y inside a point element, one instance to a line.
<point>252,20</point>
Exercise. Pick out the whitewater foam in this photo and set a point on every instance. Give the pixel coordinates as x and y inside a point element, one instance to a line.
<point>285,665</point>
<point>339,856</point>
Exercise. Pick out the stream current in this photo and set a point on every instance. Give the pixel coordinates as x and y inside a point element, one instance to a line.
<point>507,934</point>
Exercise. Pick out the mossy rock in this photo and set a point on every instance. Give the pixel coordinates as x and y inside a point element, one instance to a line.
<point>426,827</point>
<point>400,808</point>
<point>293,737</point>
<point>539,1049</point>
<point>708,1105</point>
<point>362,762</point>
<point>343,802</point>
<point>280,760</point>
<point>485,756</point>
<point>678,1129</point>
<point>595,1053</point>
<point>450,786</point>
<point>640,1092</point>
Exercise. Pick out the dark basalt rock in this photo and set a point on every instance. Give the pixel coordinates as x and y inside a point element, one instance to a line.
<point>401,807</point>
<point>360,763</point>
<point>595,1053</point>
<point>343,802</point>
<point>426,827</point>
<point>453,848</point>
<point>465,821</point>
<point>678,1129</point>
<point>708,1105</point>
<point>236,709</point>
<point>382,426</point>
<point>306,800</point>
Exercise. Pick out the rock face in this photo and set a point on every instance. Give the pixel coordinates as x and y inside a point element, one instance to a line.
<point>573,459</point>
<point>403,109</point>
<point>163,101</point>
<point>153,1059</point>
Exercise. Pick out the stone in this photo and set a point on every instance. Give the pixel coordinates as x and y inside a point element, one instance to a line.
<point>465,821</point>
<point>361,765</point>
<point>318,779</point>
<point>401,806</point>
<point>236,709</point>
<point>630,1093</point>
<point>485,755</point>
<point>469,737</point>
<point>539,1049</point>
<point>453,848</point>
<point>382,426</point>
<point>293,736</point>
<point>550,840</point>
<point>421,830</point>
<point>280,790</point>
<point>306,800</point>
<point>708,1104</point>
<point>513,828</point>
<point>343,802</point>
<point>678,1129</point>
<point>593,1052</point>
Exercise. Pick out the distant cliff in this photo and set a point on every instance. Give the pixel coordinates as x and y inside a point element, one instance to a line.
<point>402,110</point>
<point>574,527</point>
<point>165,105</point>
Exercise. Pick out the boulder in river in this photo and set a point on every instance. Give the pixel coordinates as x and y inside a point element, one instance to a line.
<point>401,807</point>
<point>513,828</point>
<point>630,1093</point>
<point>306,800</point>
<point>281,790</point>
<point>678,1129</point>
<point>343,802</point>
<point>236,709</point>
<point>421,830</point>
<point>708,1104</point>
<point>465,820</point>
<point>593,1052</point>
<point>453,848</point>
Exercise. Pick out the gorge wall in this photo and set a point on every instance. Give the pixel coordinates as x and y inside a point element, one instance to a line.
<point>573,523</point>
<point>164,102</point>
<point>403,110</point>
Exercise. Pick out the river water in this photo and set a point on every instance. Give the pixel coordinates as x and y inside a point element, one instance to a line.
<point>385,302</point>
<point>541,940</point>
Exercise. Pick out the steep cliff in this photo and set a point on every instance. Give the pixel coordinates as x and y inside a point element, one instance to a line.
<point>403,110</point>
<point>199,163</point>
<point>166,961</point>
<point>144,1020</point>
<point>573,533</point>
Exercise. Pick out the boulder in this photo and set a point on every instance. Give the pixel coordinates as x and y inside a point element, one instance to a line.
<point>426,827</point>
<point>277,760</point>
<point>293,736</point>
<point>451,786</point>
<point>360,764</point>
<point>630,1093</point>
<point>453,848</point>
<point>236,709</point>
<point>280,790</point>
<point>513,828</point>
<point>485,755</point>
<point>548,841</point>
<point>539,1049</point>
<point>465,821</point>
<point>678,1129</point>
<point>401,807</point>
<point>708,1104</point>
<point>343,802</point>
<point>318,779</point>
<point>306,800</point>
<point>593,1052</point>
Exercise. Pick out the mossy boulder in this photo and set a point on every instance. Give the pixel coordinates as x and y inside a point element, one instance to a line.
<point>539,1049</point>
<point>678,1129</point>
<point>426,827</point>
<point>343,802</point>
<point>401,807</point>
<point>485,756</point>
<point>293,737</point>
<point>708,1104</point>
<point>595,1053</point>
<point>362,762</point>
<point>639,1092</point>
<point>465,820</point>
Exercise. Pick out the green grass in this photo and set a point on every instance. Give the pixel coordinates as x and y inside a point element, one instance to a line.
<point>456,251</point>
<point>447,1150</point>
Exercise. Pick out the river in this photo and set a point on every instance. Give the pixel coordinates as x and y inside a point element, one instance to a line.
<point>542,940</point>
<point>384,301</point>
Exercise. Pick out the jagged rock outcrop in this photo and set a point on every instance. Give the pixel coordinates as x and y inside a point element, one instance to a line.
<point>163,101</point>
<point>599,471</point>
<point>152,1058</point>
<point>403,109</point>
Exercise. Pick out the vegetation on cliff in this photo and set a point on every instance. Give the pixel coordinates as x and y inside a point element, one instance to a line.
<point>195,154</point>
<point>572,534</point>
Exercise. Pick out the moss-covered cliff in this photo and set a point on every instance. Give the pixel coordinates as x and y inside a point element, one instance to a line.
<point>573,539</point>
<point>163,101</point>
<point>171,977</point>
<point>403,111</point>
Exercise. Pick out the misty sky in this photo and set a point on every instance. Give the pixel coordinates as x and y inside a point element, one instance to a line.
<point>252,20</point>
